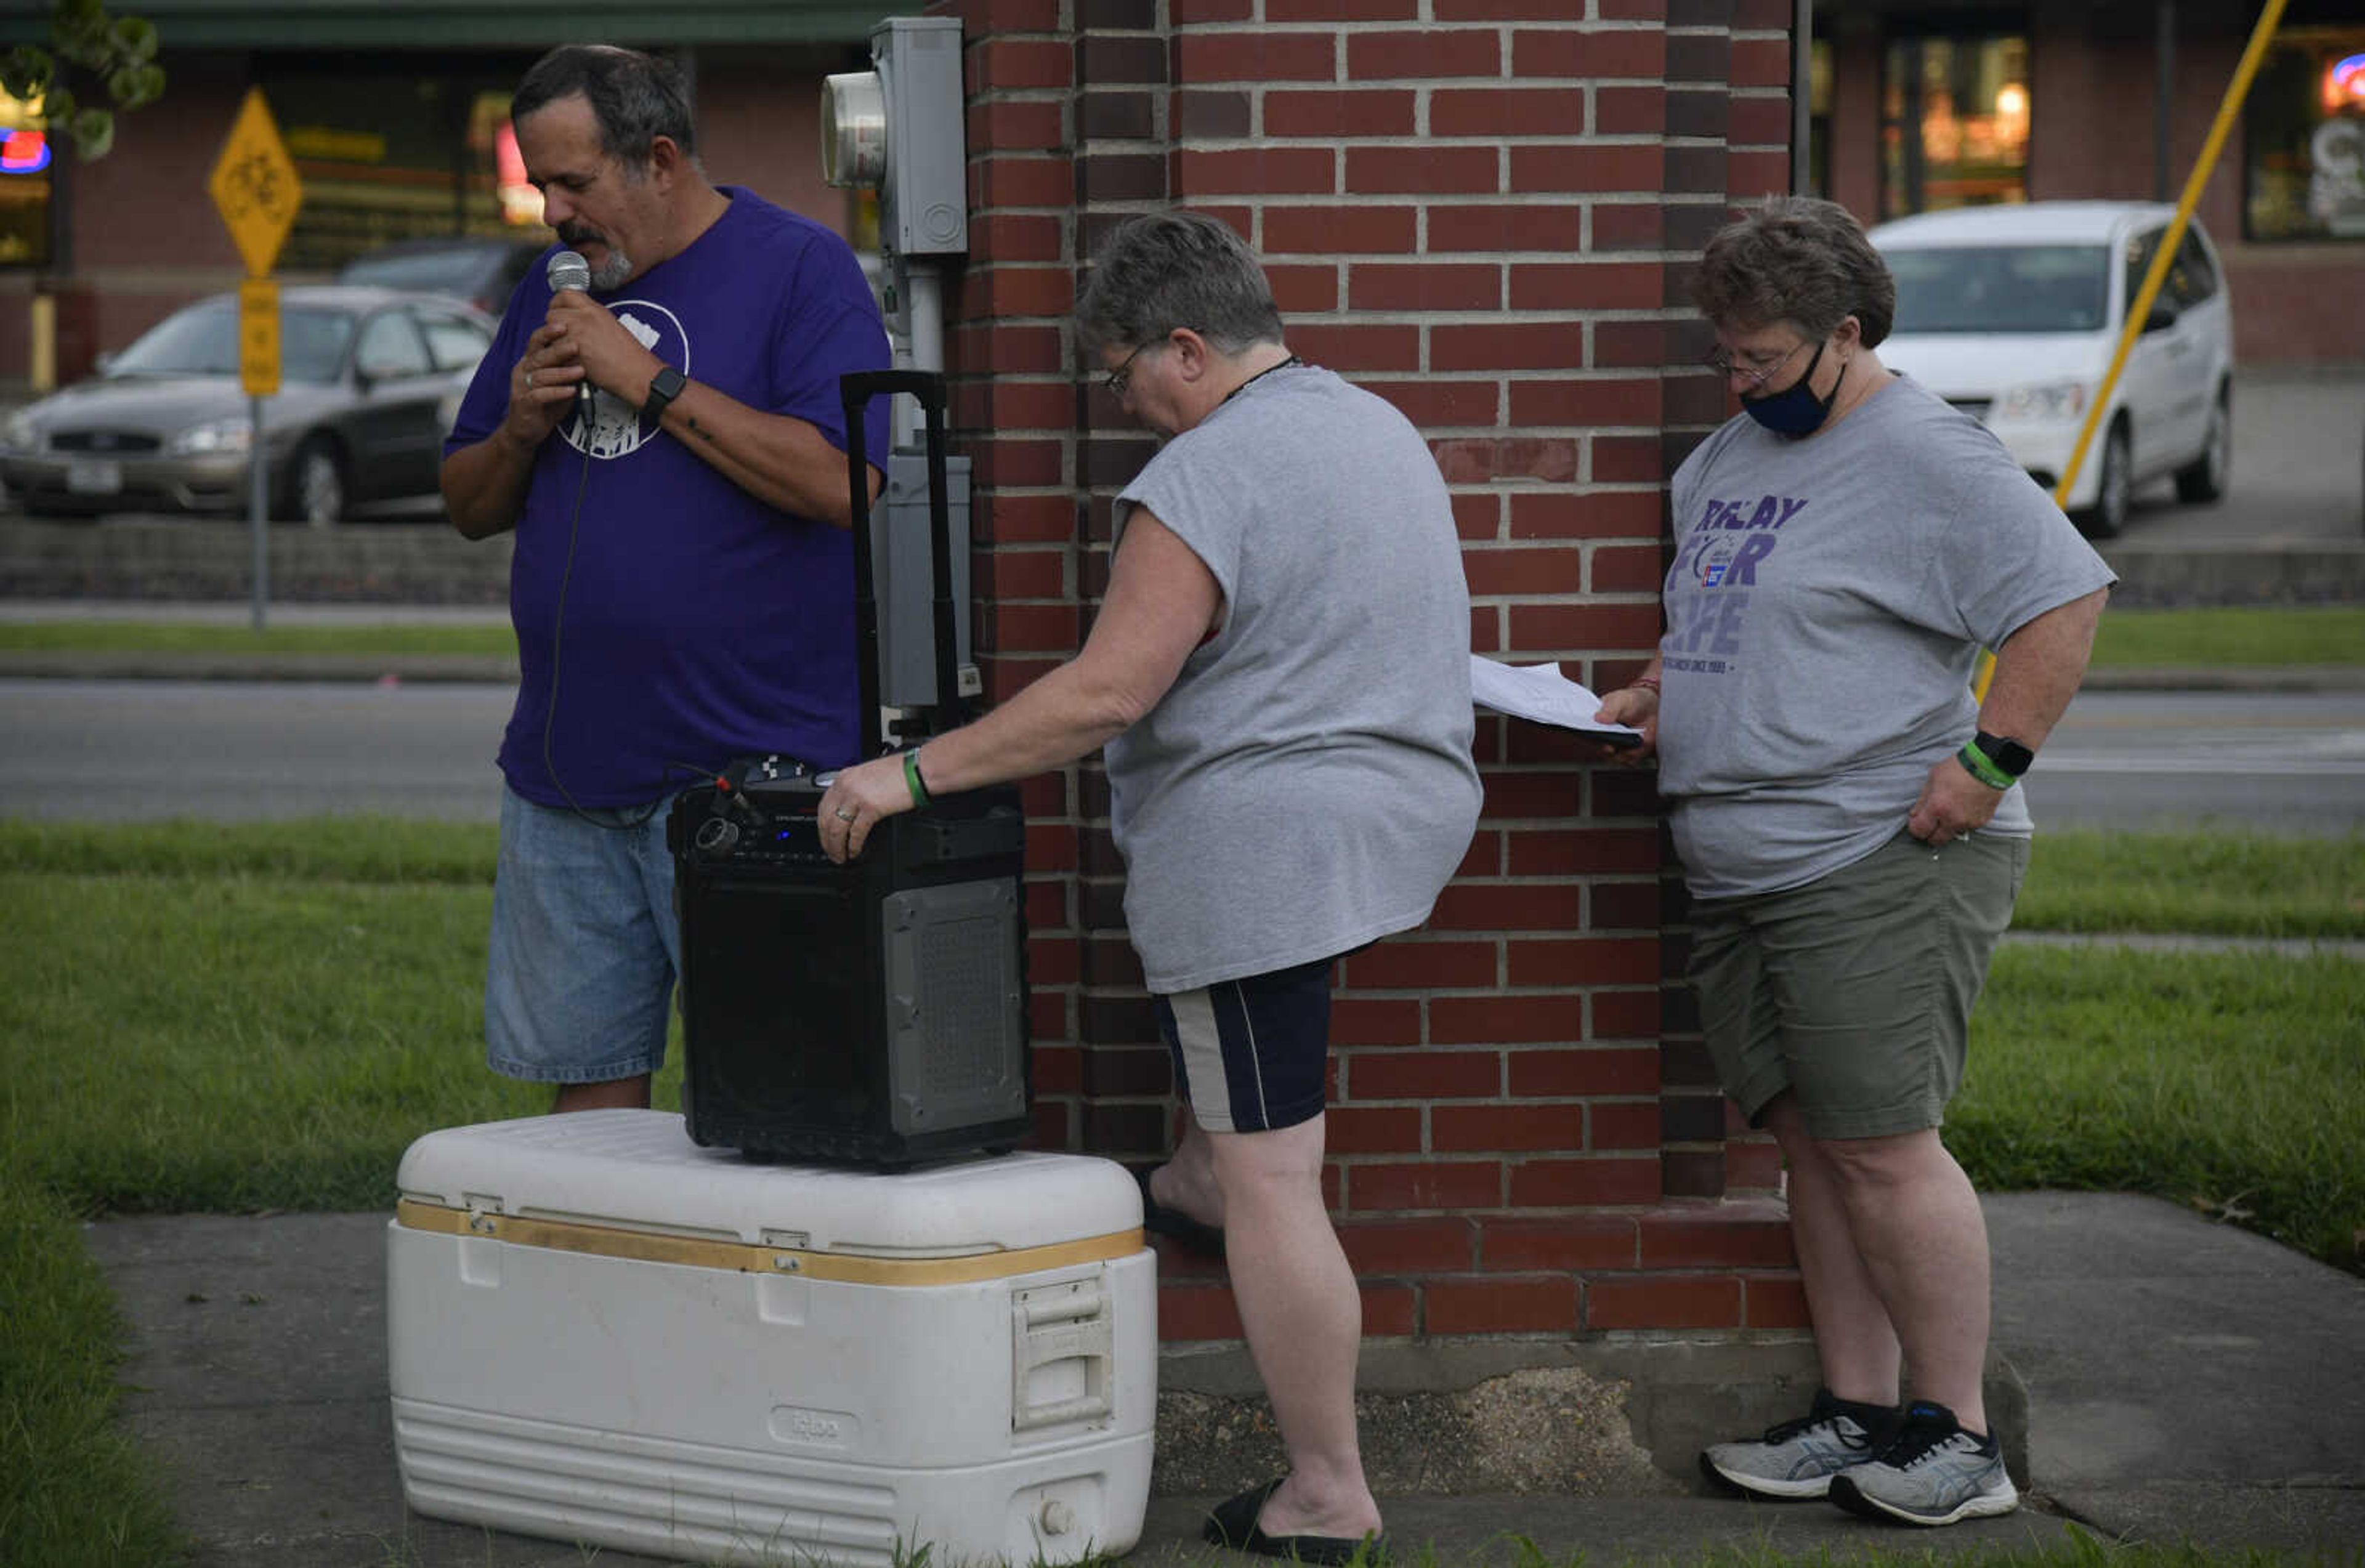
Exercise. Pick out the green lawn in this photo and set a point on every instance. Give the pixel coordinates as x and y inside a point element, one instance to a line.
<point>231,1018</point>
<point>2210,638</point>
<point>2232,1082</point>
<point>2205,638</point>
<point>193,637</point>
<point>2209,884</point>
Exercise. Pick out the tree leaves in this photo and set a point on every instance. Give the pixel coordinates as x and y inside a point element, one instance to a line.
<point>119,54</point>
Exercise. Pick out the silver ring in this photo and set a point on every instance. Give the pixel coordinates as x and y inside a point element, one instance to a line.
<point>529,380</point>
<point>842,814</point>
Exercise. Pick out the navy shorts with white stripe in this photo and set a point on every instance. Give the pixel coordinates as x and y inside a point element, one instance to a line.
<point>1249,1053</point>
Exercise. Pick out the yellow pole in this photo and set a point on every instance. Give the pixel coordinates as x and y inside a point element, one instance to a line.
<point>2162,258</point>
<point>2165,256</point>
<point>42,373</point>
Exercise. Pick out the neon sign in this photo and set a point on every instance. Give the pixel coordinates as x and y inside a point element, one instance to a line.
<point>24,152</point>
<point>2344,84</point>
<point>520,203</point>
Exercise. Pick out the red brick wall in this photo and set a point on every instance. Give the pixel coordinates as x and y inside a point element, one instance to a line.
<point>1483,210</point>
<point>759,124</point>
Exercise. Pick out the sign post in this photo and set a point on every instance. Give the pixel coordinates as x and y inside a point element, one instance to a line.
<point>254,186</point>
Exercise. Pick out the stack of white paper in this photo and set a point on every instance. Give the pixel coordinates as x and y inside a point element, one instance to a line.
<point>1541,693</point>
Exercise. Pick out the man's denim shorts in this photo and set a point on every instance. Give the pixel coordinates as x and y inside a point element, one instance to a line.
<point>585,945</point>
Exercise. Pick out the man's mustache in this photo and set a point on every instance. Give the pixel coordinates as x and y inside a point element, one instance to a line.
<point>578,238</point>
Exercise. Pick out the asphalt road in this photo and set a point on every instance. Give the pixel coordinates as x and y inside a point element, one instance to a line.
<point>2282,762</point>
<point>2298,473</point>
<point>2287,762</point>
<point>232,751</point>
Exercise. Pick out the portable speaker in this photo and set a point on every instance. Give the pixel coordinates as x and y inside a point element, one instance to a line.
<point>873,1012</point>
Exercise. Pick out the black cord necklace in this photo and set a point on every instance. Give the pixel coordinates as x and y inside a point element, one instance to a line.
<point>1259,376</point>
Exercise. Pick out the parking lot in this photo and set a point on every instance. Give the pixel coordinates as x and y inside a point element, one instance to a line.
<point>2290,529</point>
<point>2299,467</point>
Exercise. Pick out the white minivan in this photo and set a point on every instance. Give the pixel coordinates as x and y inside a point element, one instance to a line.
<point>2013,312</point>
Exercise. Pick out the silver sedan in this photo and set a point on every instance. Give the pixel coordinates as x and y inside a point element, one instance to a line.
<point>368,377</point>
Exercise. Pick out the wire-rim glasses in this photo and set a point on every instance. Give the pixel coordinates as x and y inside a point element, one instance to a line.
<point>1117,380</point>
<point>1724,366</point>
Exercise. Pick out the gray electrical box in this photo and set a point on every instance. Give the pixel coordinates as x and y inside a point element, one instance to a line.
<point>898,126</point>
<point>903,579</point>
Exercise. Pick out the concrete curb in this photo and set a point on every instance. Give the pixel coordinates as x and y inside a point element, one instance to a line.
<point>2227,677</point>
<point>60,665</point>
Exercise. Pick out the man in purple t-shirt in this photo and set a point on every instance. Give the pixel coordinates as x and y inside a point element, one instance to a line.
<point>669,447</point>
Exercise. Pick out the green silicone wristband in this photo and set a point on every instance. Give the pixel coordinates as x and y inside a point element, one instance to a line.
<point>919,790</point>
<point>1983,768</point>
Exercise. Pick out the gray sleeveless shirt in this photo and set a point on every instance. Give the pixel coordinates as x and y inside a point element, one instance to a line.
<point>1305,785</point>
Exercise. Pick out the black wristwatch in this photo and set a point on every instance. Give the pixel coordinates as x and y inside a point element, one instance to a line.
<point>664,387</point>
<point>2008,755</point>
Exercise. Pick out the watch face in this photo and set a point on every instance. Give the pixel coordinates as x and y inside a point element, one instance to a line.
<point>2006,754</point>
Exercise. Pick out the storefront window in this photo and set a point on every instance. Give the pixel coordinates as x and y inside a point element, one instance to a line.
<point>396,155</point>
<point>2304,127</point>
<point>1953,123</point>
<point>28,163</point>
<point>1818,118</point>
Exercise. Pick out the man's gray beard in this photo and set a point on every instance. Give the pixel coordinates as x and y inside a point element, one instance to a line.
<point>613,272</point>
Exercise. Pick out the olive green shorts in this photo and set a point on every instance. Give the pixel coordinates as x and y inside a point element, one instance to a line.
<point>1855,991</point>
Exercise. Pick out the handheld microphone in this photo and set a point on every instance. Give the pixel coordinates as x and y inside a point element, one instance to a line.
<point>568,270</point>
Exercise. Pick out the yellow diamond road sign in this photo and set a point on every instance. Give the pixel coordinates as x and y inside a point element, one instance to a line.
<point>254,185</point>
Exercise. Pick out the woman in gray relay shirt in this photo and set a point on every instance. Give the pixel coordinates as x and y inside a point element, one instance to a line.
<point>1279,672</point>
<point>1845,811</point>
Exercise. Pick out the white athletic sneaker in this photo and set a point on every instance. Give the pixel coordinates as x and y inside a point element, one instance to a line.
<point>1798,1459</point>
<point>1930,1472</point>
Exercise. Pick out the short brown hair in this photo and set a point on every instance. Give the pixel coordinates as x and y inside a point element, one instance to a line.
<point>1796,259</point>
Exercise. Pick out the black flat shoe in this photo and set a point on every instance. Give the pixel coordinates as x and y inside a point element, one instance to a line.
<point>1233,1523</point>
<point>1159,1220</point>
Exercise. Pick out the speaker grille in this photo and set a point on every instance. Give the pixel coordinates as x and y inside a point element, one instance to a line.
<point>964,1002</point>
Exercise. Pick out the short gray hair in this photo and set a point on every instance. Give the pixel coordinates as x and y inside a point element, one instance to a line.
<point>1796,259</point>
<point>635,98</point>
<point>1165,270</point>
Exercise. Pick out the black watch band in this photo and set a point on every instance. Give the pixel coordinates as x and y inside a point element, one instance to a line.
<point>664,387</point>
<point>2008,755</point>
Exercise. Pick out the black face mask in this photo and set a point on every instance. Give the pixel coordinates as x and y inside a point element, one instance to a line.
<point>1794,410</point>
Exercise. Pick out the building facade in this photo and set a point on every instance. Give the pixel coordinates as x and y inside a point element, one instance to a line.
<point>1922,104</point>
<point>396,120</point>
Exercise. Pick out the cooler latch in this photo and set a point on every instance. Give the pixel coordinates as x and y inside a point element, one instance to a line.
<point>1062,1353</point>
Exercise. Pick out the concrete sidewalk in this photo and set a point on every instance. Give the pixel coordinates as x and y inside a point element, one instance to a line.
<point>2185,1381</point>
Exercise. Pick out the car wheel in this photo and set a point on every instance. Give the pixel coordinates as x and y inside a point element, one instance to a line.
<point>2205,478</point>
<point>314,491</point>
<point>2108,515</point>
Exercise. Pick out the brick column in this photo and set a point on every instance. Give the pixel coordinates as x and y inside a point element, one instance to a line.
<point>1482,210</point>
<point>1013,411</point>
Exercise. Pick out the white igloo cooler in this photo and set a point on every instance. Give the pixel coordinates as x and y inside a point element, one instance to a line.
<point>601,1332</point>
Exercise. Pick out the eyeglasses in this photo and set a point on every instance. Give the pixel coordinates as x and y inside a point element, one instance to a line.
<point>1725,364</point>
<point>1117,380</point>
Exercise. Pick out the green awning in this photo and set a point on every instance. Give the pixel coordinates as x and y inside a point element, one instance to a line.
<point>444,25</point>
